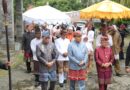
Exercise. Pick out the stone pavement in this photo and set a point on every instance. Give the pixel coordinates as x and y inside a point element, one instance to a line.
<point>24,81</point>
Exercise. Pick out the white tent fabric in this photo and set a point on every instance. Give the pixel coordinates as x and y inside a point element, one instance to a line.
<point>46,14</point>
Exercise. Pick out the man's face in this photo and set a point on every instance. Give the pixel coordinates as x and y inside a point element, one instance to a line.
<point>75,24</point>
<point>104,43</point>
<point>46,39</point>
<point>104,31</point>
<point>70,31</point>
<point>30,27</point>
<point>78,38</point>
<point>63,35</point>
<point>89,27</point>
<point>38,35</point>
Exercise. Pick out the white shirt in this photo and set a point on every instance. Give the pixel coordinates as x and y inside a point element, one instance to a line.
<point>84,31</point>
<point>89,46</point>
<point>90,36</point>
<point>33,45</point>
<point>62,47</point>
<point>98,40</point>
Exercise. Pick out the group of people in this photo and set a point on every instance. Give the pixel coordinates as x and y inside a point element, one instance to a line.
<point>65,52</point>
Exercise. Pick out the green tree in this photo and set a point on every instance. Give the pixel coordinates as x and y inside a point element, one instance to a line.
<point>63,5</point>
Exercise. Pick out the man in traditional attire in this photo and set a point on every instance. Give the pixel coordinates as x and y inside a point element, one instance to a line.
<point>90,53</point>
<point>62,46</point>
<point>26,40</point>
<point>70,34</point>
<point>116,37</point>
<point>122,30</point>
<point>127,61</point>
<point>36,41</point>
<point>78,54</point>
<point>104,59</point>
<point>47,55</point>
<point>104,32</point>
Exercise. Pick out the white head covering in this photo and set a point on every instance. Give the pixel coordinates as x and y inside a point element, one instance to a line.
<point>115,27</point>
<point>70,28</point>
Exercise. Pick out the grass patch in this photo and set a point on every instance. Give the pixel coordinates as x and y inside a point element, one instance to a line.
<point>16,60</point>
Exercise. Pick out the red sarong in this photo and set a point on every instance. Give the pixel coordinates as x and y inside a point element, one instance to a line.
<point>27,55</point>
<point>77,74</point>
<point>105,77</point>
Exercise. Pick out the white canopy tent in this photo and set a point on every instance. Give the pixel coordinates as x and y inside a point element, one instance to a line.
<point>48,14</point>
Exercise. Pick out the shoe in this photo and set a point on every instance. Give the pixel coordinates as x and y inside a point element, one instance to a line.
<point>119,75</point>
<point>28,71</point>
<point>37,84</point>
<point>61,84</point>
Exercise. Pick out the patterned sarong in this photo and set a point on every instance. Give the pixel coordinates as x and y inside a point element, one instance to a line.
<point>77,74</point>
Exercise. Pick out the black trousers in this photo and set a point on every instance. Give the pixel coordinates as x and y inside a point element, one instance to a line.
<point>127,61</point>
<point>121,55</point>
<point>28,64</point>
<point>44,85</point>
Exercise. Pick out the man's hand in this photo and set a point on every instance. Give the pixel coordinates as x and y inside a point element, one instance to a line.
<point>65,54</point>
<point>81,63</point>
<point>7,64</point>
<point>49,64</point>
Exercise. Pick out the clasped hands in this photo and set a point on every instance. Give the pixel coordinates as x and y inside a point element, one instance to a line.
<point>50,64</point>
<point>65,54</point>
<point>81,63</point>
<point>105,65</point>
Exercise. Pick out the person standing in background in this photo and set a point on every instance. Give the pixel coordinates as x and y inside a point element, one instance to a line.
<point>26,40</point>
<point>127,61</point>
<point>90,53</point>
<point>62,46</point>
<point>70,34</point>
<point>104,32</point>
<point>116,37</point>
<point>90,34</point>
<point>36,41</point>
<point>123,34</point>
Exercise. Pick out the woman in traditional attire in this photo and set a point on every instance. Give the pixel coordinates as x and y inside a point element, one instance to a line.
<point>104,59</point>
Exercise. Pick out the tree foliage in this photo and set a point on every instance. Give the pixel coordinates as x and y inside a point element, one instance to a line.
<point>63,5</point>
<point>69,5</point>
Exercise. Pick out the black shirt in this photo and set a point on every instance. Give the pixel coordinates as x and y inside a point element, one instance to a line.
<point>27,37</point>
